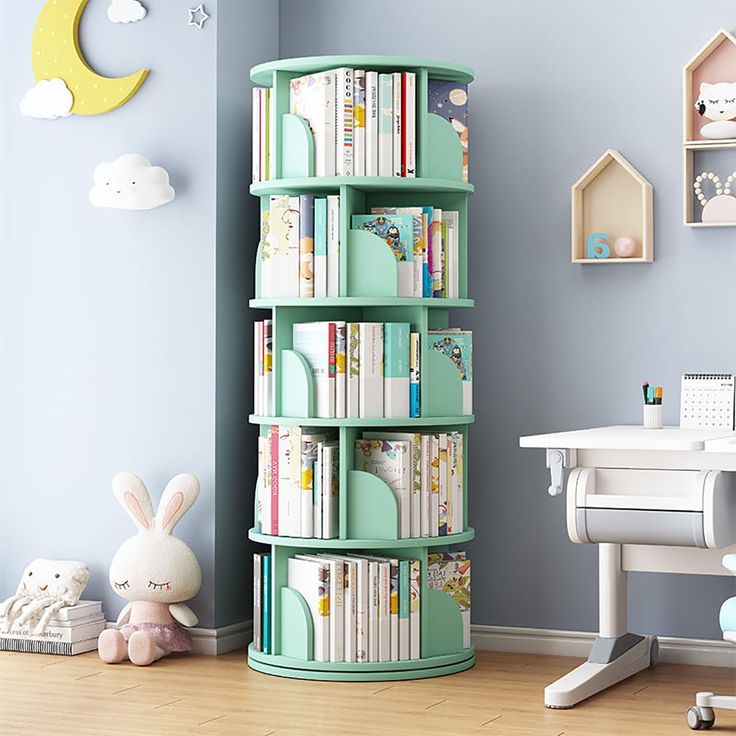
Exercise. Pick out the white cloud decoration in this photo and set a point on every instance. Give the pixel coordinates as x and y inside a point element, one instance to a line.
<point>49,99</point>
<point>125,11</point>
<point>130,183</point>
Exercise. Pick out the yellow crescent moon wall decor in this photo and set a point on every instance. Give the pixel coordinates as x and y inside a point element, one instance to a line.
<point>56,53</point>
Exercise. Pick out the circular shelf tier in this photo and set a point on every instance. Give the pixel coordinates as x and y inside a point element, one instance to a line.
<point>309,542</point>
<point>263,73</point>
<point>414,669</point>
<point>361,301</point>
<point>363,183</point>
<point>365,422</point>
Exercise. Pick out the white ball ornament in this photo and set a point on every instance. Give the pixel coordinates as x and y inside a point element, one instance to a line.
<point>625,246</point>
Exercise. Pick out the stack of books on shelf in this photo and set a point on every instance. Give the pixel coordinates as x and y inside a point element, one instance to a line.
<point>450,573</point>
<point>73,630</point>
<point>363,608</point>
<point>298,483</point>
<point>425,241</point>
<point>364,369</point>
<point>363,122</point>
<point>425,471</point>
<point>299,248</point>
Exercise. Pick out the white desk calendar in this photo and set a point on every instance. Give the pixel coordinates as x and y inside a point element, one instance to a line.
<point>707,401</point>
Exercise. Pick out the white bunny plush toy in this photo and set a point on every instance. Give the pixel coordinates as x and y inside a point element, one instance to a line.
<point>155,572</point>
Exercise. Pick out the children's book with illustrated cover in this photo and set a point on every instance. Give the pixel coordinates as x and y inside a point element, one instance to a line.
<point>457,345</point>
<point>418,238</point>
<point>312,97</point>
<point>450,572</point>
<point>398,232</point>
<point>449,100</point>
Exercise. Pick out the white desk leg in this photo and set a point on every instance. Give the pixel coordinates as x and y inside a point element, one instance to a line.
<point>616,654</point>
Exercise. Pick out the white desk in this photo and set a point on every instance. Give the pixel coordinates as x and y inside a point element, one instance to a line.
<point>629,488</point>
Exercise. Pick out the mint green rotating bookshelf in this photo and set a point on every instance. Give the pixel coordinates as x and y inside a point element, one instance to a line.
<point>368,514</point>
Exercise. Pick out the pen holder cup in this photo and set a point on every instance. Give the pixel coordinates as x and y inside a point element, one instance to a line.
<point>652,416</point>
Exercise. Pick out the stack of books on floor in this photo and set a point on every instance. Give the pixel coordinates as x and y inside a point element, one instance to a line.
<point>426,243</point>
<point>298,483</point>
<point>73,630</point>
<point>425,473</point>
<point>300,247</point>
<point>363,122</point>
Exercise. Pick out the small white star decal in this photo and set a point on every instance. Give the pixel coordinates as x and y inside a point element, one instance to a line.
<point>197,16</point>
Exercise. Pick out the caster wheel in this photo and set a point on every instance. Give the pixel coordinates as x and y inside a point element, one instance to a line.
<point>700,719</point>
<point>654,652</point>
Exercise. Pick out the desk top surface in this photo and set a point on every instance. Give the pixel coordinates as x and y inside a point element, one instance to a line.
<point>635,437</point>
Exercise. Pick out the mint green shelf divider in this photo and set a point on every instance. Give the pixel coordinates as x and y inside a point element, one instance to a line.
<point>297,146</point>
<point>372,509</point>
<point>297,387</point>
<point>297,629</point>
<point>444,632</point>
<point>372,267</point>
<point>368,288</point>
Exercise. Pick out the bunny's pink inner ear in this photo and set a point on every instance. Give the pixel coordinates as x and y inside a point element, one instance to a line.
<point>172,508</point>
<point>135,509</point>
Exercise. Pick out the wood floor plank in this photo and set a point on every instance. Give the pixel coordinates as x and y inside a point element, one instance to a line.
<point>79,696</point>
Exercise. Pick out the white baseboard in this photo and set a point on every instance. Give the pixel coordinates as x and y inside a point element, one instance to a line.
<point>704,652</point>
<point>217,641</point>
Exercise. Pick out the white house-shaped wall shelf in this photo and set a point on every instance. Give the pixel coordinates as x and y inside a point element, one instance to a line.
<point>614,200</point>
<point>715,62</point>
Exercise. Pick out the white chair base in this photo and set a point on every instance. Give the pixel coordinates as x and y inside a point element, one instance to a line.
<point>701,716</point>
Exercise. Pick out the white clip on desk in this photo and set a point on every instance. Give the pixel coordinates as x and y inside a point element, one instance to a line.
<point>655,500</point>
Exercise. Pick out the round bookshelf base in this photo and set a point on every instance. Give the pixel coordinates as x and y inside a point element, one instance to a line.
<point>280,666</point>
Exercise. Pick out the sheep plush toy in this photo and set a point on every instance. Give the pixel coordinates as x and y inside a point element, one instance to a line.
<point>155,572</point>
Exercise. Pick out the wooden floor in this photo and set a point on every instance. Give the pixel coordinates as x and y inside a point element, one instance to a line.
<point>79,696</point>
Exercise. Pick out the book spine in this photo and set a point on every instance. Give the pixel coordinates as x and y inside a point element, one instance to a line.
<point>272,142</point>
<point>385,124</point>
<point>267,398</point>
<point>292,264</point>
<point>426,480</point>
<point>331,491</point>
<point>370,391</point>
<point>309,451</point>
<point>340,370</point>
<point>445,255</point>
<point>320,247</point>
<point>256,134</point>
<point>265,441</point>
<point>290,487</point>
<point>415,585</point>
<point>414,375</point>
<point>371,124</point>
<point>396,369</point>
<point>257,611</point>
<point>83,609</point>
<point>426,249</point>
<point>344,122</point>
<point>274,479</point>
<point>266,605</point>
<point>436,246</point>
<point>416,487</point>
<point>257,362</point>
<point>394,608</point>
<point>409,109</point>
<point>353,374</point>
<point>317,504</point>
<point>397,124</point>
<point>452,483</point>
<point>362,607</point>
<point>331,367</point>
<point>328,120</point>
<point>333,245</point>
<point>434,488</point>
<point>459,505</point>
<point>384,612</point>
<point>306,246</point>
<point>359,122</point>
<point>444,483</point>
<point>337,611</point>
<point>350,571</point>
<point>404,597</point>
<point>373,611</point>
<point>265,109</point>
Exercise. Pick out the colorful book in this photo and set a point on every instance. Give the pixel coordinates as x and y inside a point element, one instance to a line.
<point>333,245</point>
<point>306,246</point>
<point>385,124</point>
<point>396,337</point>
<point>266,401</point>
<point>315,341</point>
<point>415,409</point>
<point>426,484</point>
<point>264,460</point>
<point>427,284</point>
<point>418,240</point>
<point>370,380</point>
<point>290,482</point>
<point>359,132</point>
<point>274,440</point>
<point>340,370</point>
<point>312,97</point>
<point>266,605</point>
<point>409,123</point>
<point>452,258</point>
<point>390,460</point>
<point>415,584</point>
<point>280,249</point>
<point>320,247</point>
<point>344,122</point>
<point>353,370</point>
<point>457,484</point>
<point>435,249</point>
<point>257,609</point>
<point>404,598</point>
<point>311,578</point>
<point>398,122</point>
<point>449,100</point>
<point>398,232</point>
<point>444,485</point>
<point>434,487</point>
<point>371,124</point>
<point>450,572</point>
<point>457,345</point>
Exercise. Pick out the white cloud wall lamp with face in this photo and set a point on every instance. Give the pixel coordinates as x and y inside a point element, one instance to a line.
<point>130,182</point>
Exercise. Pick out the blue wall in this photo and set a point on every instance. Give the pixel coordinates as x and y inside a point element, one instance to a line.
<point>110,320</point>
<point>561,346</point>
